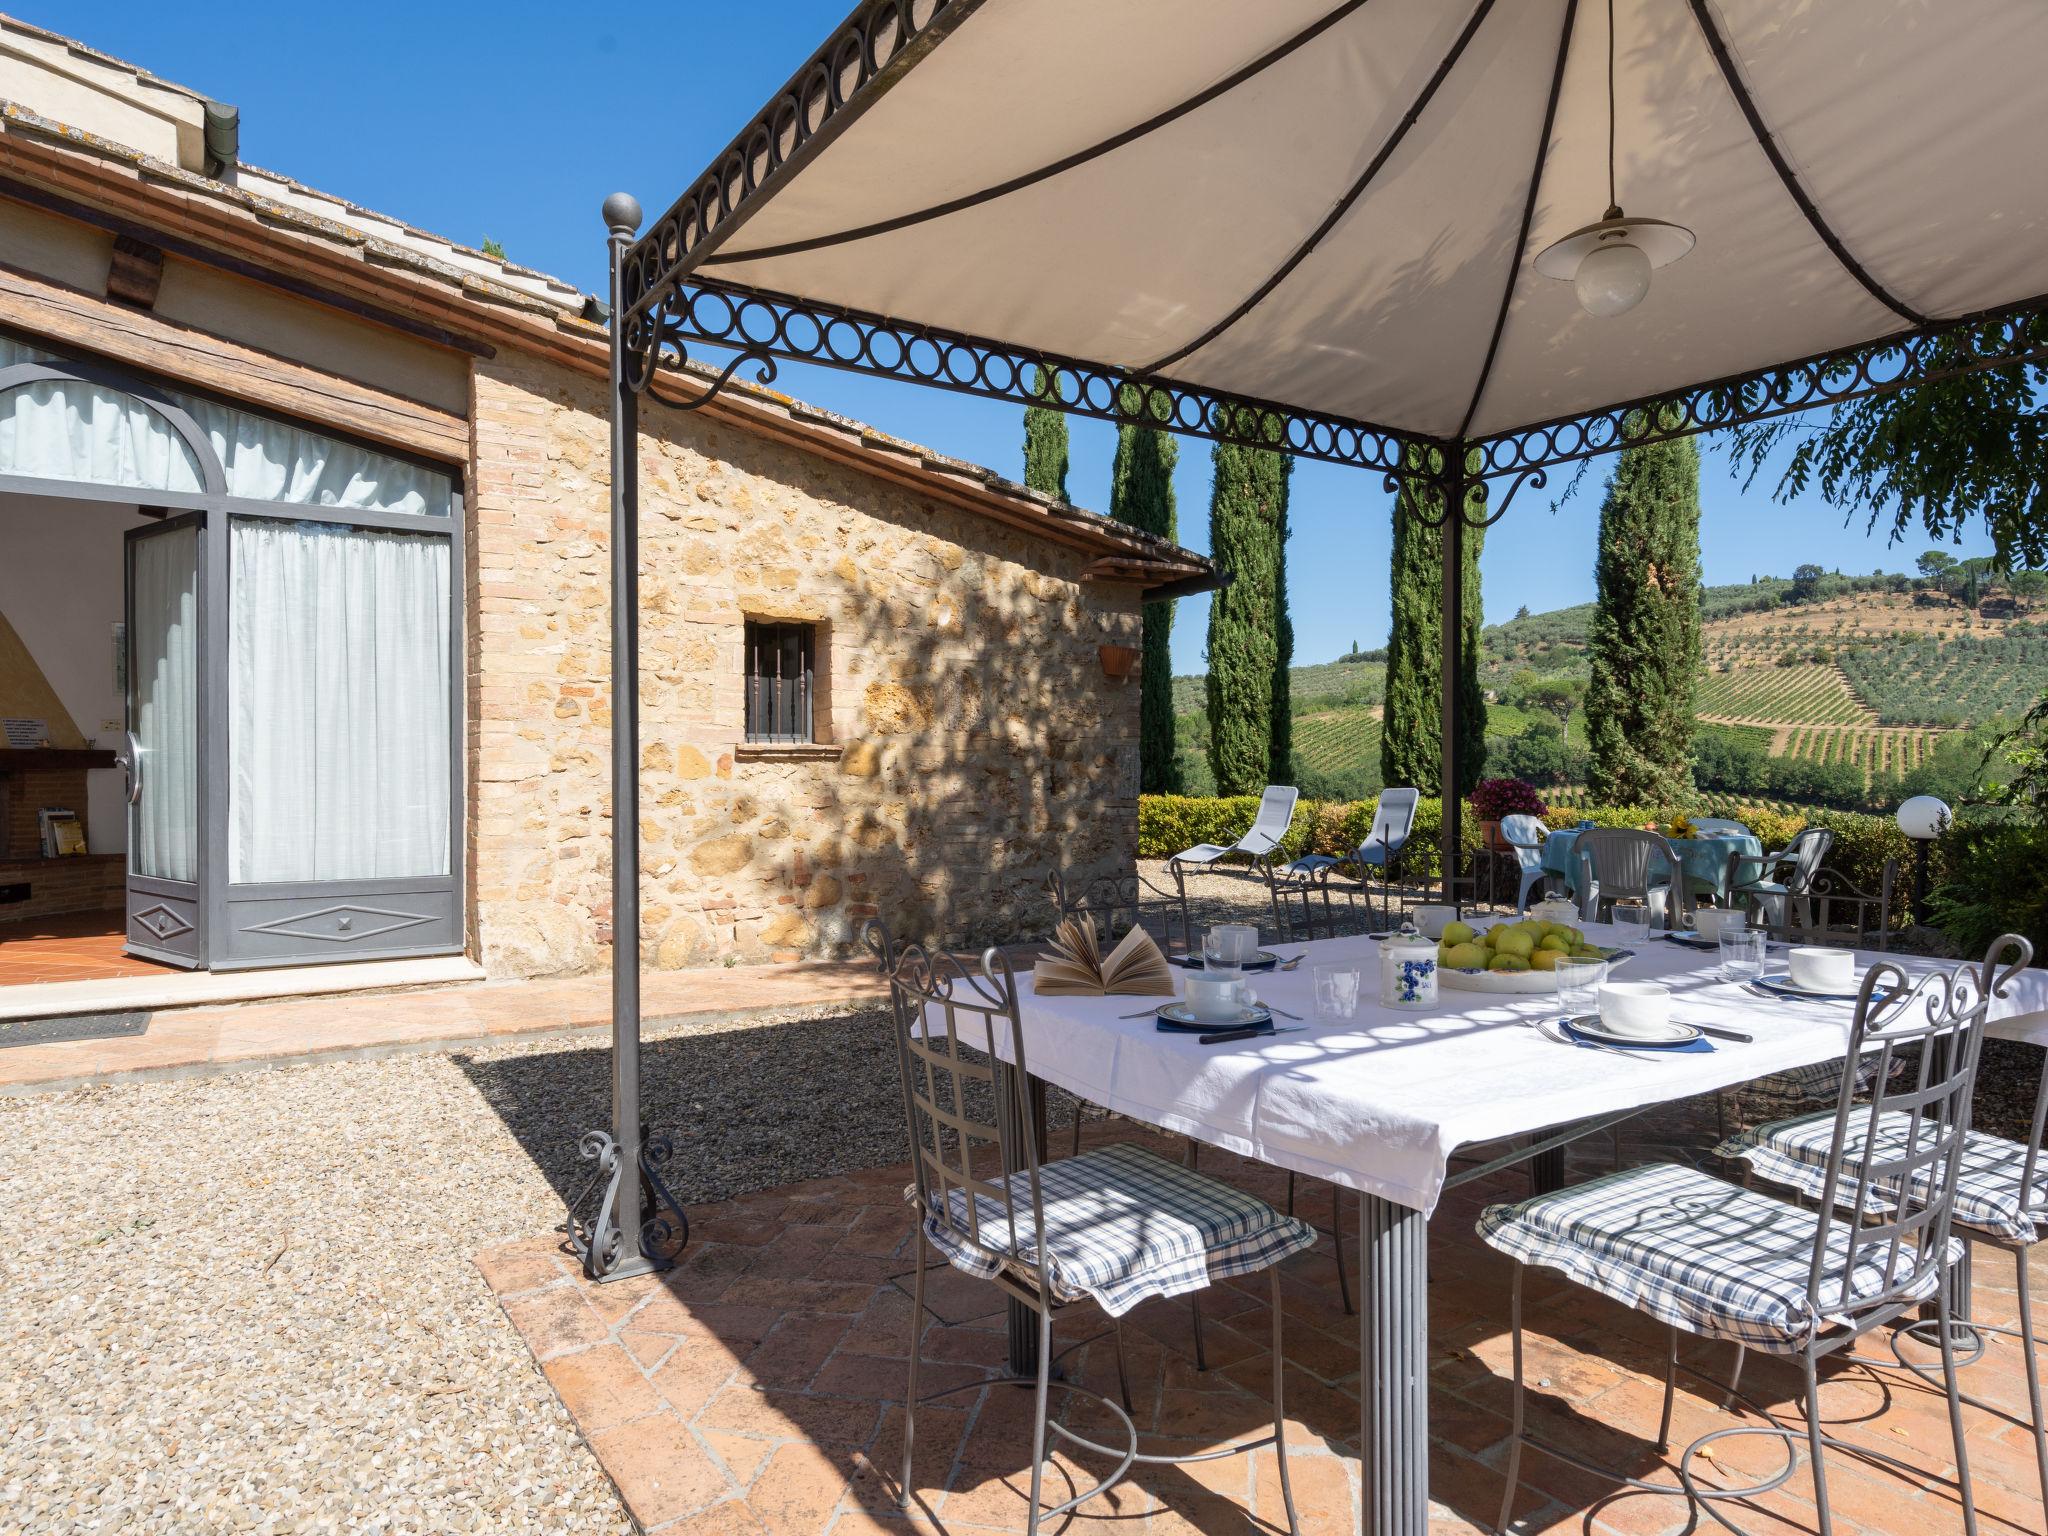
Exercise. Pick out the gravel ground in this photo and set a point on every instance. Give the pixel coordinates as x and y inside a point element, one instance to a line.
<point>246,1302</point>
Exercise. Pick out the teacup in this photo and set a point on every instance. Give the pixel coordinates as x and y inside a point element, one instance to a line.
<point>1214,1000</point>
<point>1431,922</point>
<point>1636,1009</point>
<point>1712,922</point>
<point>1822,970</point>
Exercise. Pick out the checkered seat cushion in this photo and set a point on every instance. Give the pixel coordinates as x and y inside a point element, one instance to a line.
<point>1692,1250</point>
<point>1123,1224</point>
<point>1794,1153</point>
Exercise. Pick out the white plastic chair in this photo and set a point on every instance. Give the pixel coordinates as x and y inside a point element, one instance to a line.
<point>1525,834</point>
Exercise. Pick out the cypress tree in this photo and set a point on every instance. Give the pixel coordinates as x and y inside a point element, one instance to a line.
<point>1141,494</point>
<point>1246,505</point>
<point>1280,760</point>
<point>1411,735</point>
<point>1045,439</point>
<point>1645,638</point>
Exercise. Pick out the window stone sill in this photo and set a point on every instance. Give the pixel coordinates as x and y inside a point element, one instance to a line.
<point>786,752</point>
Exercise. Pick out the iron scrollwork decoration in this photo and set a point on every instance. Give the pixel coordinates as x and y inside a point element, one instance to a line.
<point>595,1238</point>
<point>654,341</point>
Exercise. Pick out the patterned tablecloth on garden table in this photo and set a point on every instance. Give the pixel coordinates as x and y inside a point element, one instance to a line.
<point>1705,858</point>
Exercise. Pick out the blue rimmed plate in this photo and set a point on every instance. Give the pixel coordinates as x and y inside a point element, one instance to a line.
<point>1179,1019</point>
<point>1263,960</point>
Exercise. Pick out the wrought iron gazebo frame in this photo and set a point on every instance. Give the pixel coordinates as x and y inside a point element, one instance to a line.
<point>666,299</point>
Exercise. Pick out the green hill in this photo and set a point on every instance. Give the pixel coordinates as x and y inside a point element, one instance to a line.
<point>1848,690</point>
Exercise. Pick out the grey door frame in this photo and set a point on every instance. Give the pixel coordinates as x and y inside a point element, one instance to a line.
<point>145,896</point>
<point>300,922</point>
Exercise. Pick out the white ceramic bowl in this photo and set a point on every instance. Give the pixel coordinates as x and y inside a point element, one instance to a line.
<point>1431,922</point>
<point>1214,1000</point>
<point>1822,970</point>
<point>1637,1009</point>
<point>1712,922</point>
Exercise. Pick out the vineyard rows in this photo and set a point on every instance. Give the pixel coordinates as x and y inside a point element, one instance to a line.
<point>1874,751</point>
<point>1337,740</point>
<point>1809,693</point>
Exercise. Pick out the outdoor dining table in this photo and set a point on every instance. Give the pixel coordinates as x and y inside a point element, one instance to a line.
<point>1704,859</point>
<point>1378,1103</point>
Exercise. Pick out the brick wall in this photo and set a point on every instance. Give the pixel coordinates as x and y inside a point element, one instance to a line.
<point>969,739</point>
<point>92,882</point>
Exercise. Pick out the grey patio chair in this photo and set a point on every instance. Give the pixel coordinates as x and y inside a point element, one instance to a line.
<point>1393,822</point>
<point>1115,1225</point>
<point>1777,901</point>
<point>1721,1261</point>
<point>1259,843</point>
<point>2001,1201</point>
<point>1621,864</point>
<point>1525,834</point>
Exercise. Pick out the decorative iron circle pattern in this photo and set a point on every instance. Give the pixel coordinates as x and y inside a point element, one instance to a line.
<point>762,326</point>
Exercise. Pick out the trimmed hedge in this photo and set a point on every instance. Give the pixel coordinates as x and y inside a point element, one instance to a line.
<point>1169,823</point>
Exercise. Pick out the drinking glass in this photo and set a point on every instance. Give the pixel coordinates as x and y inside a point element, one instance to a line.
<point>1632,922</point>
<point>1578,984</point>
<point>1742,955</point>
<point>1337,990</point>
<point>1221,953</point>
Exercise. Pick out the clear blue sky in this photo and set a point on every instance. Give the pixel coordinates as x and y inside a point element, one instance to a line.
<point>513,120</point>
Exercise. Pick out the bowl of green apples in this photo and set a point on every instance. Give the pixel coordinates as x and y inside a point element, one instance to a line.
<point>1512,957</point>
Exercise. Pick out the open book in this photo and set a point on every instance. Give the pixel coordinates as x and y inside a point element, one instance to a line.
<point>1077,967</point>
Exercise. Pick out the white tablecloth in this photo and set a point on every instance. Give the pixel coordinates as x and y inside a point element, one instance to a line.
<point>1379,1102</point>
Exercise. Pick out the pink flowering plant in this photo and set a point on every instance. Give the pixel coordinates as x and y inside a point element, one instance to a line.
<point>1493,799</point>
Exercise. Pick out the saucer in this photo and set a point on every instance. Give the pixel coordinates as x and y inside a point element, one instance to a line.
<point>1261,960</point>
<point>1781,982</point>
<point>1179,1018</point>
<point>1669,1036</point>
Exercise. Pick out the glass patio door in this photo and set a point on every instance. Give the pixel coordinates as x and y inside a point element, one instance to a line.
<point>166,912</point>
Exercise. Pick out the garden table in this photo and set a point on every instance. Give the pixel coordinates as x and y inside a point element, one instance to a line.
<point>1705,859</point>
<point>1378,1103</point>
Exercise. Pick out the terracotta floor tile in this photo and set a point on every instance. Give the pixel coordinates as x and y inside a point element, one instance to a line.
<point>660,1469</point>
<point>783,1415</point>
<point>798,1492</point>
<point>555,1322</point>
<point>602,1388</point>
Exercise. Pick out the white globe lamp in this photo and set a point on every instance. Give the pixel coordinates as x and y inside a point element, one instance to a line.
<point>1923,818</point>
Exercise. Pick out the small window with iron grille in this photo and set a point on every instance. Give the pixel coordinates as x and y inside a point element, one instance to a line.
<point>781,681</point>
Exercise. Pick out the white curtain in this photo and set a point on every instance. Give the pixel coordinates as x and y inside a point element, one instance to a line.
<point>165,650</point>
<point>62,429</point>
<point>270,460</point>
<point>66,430</point>
<point>338,692</point>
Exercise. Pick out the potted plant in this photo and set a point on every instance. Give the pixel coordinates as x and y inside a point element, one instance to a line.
<point>1494,798</point>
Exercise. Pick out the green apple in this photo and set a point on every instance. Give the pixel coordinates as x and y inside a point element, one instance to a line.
<point>1519,945</point>
<point>1508,963</point>
<point>1553,943</point>
<point>1546,959</point>
<point>1466,957</point>
<point>1459,933</point>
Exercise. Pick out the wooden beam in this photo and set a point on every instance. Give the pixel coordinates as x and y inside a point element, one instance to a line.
<point>91,324</point>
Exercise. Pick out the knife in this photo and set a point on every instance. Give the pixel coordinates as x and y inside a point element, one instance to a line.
<point>1725,1034</point>
<point>1224,1037</point>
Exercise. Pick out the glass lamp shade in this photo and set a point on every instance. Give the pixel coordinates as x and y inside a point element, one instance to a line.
<point>1612,280</point>
<point>1923,818</point>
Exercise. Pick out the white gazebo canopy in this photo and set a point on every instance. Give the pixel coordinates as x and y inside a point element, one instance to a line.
<point>1336,207</point>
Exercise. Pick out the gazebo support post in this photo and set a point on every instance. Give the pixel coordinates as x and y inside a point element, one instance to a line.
<point>1452,484</point>
<point>625,538</point>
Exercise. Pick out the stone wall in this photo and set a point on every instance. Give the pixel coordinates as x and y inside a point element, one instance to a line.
<point>969,740</point>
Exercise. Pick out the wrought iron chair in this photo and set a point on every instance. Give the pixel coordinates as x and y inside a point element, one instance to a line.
<point>1777,901</point>
<point>1722,1261</point>
<point>1122,902</point>
<point>1268,830</point>
<point>1525,834</point>
<point>1621,864</point>
<point>2001,1201</point>
<point>1116,1225</point>
<point>1393,822</point>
